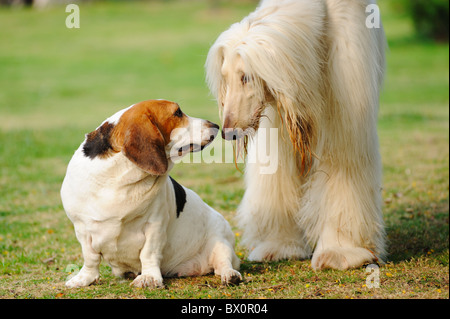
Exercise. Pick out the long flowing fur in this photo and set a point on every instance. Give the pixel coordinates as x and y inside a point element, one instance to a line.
<point>318,70</point>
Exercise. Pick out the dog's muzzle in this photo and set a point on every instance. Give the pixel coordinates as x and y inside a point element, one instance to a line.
<point>231,134</point>
<point>213,130</point>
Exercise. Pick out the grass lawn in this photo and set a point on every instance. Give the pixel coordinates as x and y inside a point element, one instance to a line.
<point>56,84</point>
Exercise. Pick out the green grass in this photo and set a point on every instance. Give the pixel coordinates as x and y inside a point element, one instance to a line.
<point>58,84</point>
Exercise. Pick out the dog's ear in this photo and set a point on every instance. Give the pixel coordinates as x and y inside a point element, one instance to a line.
<point>144,145</point>
<point>301,130</point>
<point>98,142</point>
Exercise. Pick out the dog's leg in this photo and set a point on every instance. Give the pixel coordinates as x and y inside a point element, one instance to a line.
<point>151,253</point>
<point>343,211</point>
<point>345,193</point>
<point>340,251</point>
<point>268,210</point>
<point>270,230</point>
<point>89,273</point>
<point>225,263</point>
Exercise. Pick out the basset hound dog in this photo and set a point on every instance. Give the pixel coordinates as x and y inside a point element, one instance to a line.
<point>127,210</point>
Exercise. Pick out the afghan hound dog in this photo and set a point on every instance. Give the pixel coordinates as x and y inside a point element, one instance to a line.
<point>313,70</point>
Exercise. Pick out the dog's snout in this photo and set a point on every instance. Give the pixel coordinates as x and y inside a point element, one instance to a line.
<point>213,125</point>
<point>209,132</point>
<point>213,130</point>
<point>228,130</point>
<point>229,134</point>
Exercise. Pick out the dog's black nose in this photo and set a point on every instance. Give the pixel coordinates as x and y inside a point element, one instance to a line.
<point>229,134</point>
<point>214,125</point>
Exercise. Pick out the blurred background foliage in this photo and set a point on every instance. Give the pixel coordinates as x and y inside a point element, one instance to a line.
<point>430,17</point>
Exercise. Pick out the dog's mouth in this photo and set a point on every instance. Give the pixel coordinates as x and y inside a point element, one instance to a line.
<point>190,148</point>
<point>233,134</point>
<point>240,133</point>
<point>194,147</point>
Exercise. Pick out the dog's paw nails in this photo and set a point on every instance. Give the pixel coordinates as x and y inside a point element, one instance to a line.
<point>143,281</point>
<point>231,277</point>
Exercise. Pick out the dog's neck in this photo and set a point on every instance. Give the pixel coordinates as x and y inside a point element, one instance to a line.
<point>119,172</point>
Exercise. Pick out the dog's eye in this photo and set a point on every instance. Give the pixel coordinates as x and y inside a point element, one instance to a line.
<point>245,79</point>
<point>178,113</point>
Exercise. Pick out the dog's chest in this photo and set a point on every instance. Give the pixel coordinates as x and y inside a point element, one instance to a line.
<point>119,233</point>
<point>119,243</point>
<point>117,229</point>
<point>118,240</point>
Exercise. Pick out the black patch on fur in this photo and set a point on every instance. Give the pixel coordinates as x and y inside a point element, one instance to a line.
<point>180,196</point>
<point>98,141</point>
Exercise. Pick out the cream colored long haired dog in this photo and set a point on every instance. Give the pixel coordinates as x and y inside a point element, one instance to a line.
<point>312,69</point>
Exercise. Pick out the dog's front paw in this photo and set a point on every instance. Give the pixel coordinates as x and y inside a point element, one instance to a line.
<point>342,258</point>
<point>150,281</point>
<point>231,277</point>
<point>83,279</point>
<point>278,250</point>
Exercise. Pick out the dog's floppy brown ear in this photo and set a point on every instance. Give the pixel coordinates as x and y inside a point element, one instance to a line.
<point>144,145</point>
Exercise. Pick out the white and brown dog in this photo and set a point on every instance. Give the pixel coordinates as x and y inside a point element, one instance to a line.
<point>128,210</point>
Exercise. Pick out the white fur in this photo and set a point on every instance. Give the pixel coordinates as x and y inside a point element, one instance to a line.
<point>315,73</point>
<point>128,217</point>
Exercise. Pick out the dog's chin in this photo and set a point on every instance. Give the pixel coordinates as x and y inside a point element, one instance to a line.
<point>190,148</point>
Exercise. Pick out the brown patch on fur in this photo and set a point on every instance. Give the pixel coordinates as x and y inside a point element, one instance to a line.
<point>301,136</point>
<point>375,258</point>
<point>143,132</point>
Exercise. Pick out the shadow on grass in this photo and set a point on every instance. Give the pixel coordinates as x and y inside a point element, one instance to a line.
<point>419,230</point>
<point>412,232</point>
